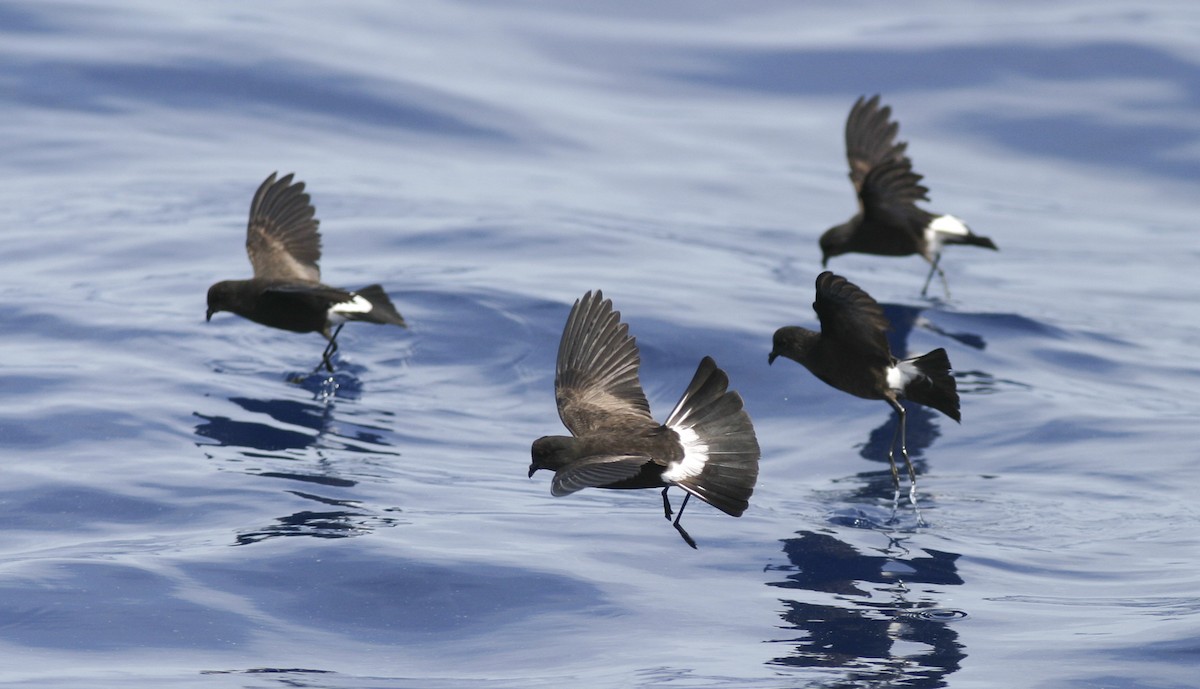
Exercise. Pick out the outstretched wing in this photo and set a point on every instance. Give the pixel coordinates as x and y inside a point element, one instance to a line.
<point>596,381</point>
<point>851,318</point>
<point>870,138</point>
<point>282,238</point>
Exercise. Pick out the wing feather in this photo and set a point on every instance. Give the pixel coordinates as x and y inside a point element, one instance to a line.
<point>889,201</point>
<point>596,471</point>
<point>596,382</point>
<point>851,318</point>
<point>870,138</point>
<point>282,238</point>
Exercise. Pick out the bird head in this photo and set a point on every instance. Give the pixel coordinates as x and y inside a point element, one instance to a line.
<point>834,241</point>
<point>791,342</point>
<point>219,297</point>
<point>551,452</point>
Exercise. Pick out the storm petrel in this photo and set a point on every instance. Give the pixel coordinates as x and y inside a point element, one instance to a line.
<point>888,222</point>
<point>286,291</point>
<point>707,447</point>
<point>851,353</point>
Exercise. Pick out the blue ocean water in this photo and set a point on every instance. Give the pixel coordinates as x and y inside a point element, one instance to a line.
<point>176,512</point>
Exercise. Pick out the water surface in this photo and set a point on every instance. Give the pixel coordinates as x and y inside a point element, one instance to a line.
<point>179,514</point>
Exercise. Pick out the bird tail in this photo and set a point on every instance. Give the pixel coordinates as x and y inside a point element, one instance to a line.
<point>976,240</point>
<point>951,230</point>
<point>720,462</point>
<point>931,383</point>
<point>382,310</point>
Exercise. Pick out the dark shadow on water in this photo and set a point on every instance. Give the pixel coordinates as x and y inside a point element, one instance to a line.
<point>1003,327</point>
<point>904,318</point>
<point>864,617</point>
<point>862,613</point>
<point>267,450</point>
<point>919,427</point>
<point>249,434</point>
<point>317,416</point>
<point>258,437</point>
<point>351,520</point>
<point>307,478</point>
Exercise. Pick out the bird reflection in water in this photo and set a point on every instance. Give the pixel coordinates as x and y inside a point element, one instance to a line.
<point>861,616</point>
<point>348,521</point>
<point>872,616</point>
<point>277,448</point>
<point>904,317</point>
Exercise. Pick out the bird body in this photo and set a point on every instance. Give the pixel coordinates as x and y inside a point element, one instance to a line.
<point>707,446</point>
<point>826,359</point>
<point>649,450</point>
<point>286,292</point>
<point>851,353</point>
<point>888,221</point>
<point>298,307</point>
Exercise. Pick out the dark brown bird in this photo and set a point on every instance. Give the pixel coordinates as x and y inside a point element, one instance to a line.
<point>286,291</point>
<point>707,447</point>
<point>851,353</point>
<point>888,222</point>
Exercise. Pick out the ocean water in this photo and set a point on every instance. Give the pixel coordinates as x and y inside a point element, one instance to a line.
<point>178,512</point>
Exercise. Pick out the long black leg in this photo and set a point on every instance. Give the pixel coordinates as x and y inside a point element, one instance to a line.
<point>935,268</point>
<point>667,503</point>
<point>679,527</point>
<point>330,350</point>
<point>891,453</point>
<point>902,431</point>
<point>912,473</point>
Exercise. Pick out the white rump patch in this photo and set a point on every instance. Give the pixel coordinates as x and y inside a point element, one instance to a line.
<point>695,456</point>
<point>900,375</point>
<point>948,224</point>
<point>943,226</point>
<point>337,312</point>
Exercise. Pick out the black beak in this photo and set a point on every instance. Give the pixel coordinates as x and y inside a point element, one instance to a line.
<point>532,469</point>
<point>824,261</point>
<point>771,358</point>
<point>208,315</point>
